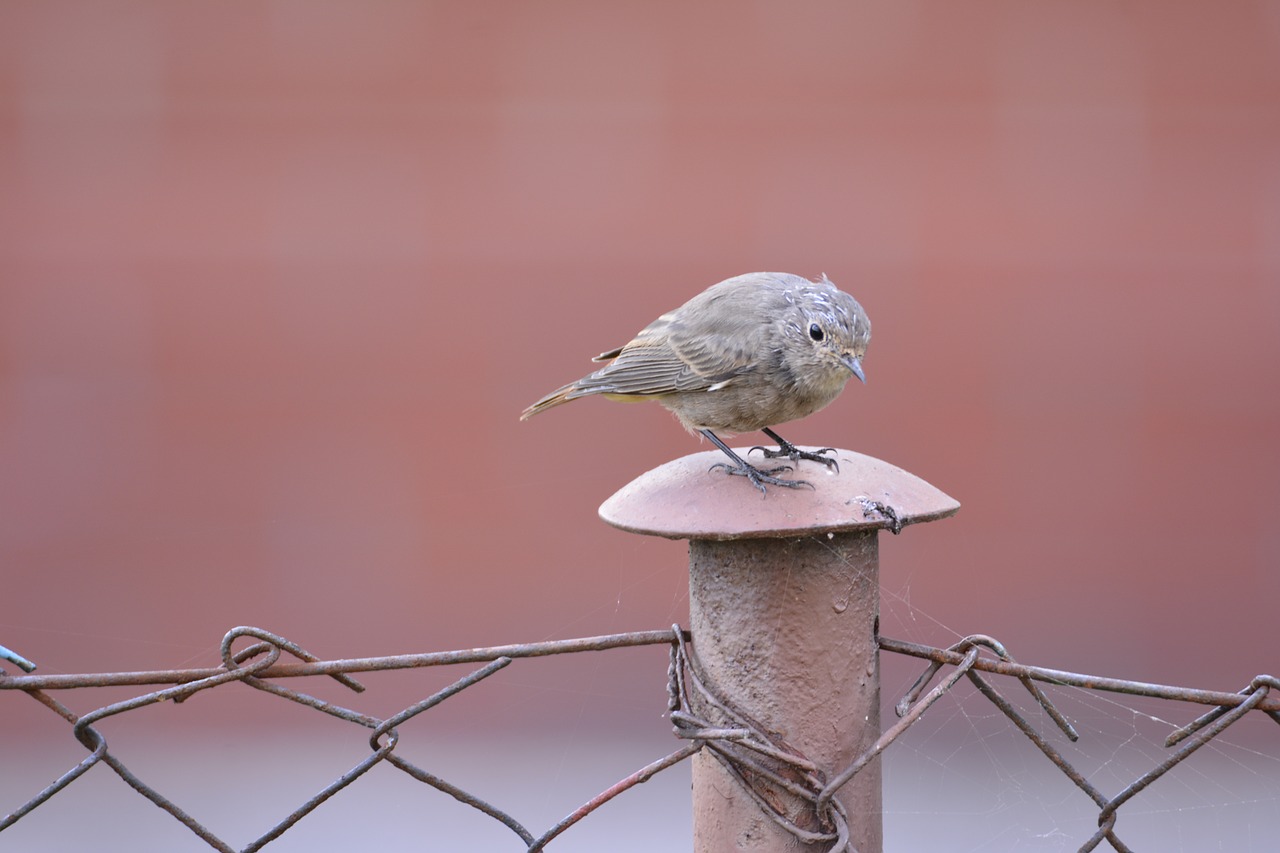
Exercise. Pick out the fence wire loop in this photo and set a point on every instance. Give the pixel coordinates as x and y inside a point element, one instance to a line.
<point>782,781</point>
<point>268,639</point>
<point>793,789</point>
<point>1262,682</point>
<point>982,640</point>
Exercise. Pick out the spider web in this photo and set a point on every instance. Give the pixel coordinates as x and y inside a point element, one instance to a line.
<point>962,779</point>
<point>965,779</point>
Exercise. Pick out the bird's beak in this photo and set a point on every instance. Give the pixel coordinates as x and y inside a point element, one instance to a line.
<point>855,365</point>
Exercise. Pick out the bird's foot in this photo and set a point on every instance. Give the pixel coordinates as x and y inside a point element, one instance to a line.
<point>760,476</point>
<point>757,476</point>
<point>789,451</point>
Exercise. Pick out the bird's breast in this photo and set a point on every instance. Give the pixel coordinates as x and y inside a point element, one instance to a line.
<point>749,403</point>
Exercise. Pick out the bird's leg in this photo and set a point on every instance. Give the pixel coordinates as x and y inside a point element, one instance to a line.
<point>757,476</point>
<point>795,454</point>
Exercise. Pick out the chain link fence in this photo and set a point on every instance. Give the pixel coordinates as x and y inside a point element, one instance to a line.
<point>767,768</point>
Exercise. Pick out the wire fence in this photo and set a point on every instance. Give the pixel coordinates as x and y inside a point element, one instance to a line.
<point>767,768</point>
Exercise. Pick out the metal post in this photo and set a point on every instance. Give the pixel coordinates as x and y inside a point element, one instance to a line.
<point>784,614</point>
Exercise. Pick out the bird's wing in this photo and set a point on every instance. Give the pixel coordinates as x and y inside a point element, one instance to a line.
<point>666,358</point>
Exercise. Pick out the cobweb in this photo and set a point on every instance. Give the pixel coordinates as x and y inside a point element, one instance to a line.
<point>965,779</point>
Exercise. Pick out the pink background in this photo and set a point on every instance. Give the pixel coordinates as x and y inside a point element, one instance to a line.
<point>277,279</point>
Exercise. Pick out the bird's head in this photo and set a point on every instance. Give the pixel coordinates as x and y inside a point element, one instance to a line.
<point>829,333</point>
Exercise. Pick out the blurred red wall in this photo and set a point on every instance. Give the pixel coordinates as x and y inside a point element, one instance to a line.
<point>277,279</point>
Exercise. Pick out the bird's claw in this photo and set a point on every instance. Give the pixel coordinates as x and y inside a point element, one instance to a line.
<point>790,451</point>
<point>759,477</point>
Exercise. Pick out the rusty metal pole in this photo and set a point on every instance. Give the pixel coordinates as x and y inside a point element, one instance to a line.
<point>784,614</point>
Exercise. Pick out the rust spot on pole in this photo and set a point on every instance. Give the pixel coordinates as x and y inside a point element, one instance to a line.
<point>784,605</point>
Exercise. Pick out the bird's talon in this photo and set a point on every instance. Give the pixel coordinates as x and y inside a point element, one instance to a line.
<point>760,476</point>
<point>790,451</point>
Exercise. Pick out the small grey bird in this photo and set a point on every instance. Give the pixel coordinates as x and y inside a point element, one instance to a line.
<point>750,352</point>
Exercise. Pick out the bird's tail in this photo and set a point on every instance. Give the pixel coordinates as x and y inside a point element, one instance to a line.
<point>555,398</point>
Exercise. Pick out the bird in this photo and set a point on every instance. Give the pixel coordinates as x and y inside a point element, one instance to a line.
<point>751,352</point>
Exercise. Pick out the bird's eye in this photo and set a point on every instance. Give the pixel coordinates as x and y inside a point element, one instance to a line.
<point>815,332</point>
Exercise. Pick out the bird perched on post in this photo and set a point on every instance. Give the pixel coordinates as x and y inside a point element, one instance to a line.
<point>750,352</point>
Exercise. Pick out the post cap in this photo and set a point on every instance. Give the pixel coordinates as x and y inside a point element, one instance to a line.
<point>682,499</point>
